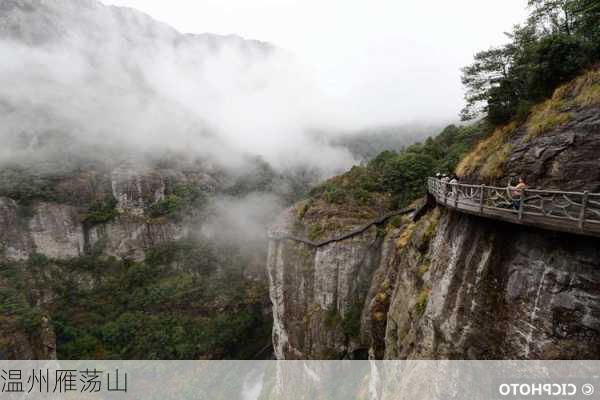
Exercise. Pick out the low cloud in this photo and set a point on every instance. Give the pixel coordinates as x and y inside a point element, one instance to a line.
<point>241,220</point>
<point>106,76</point>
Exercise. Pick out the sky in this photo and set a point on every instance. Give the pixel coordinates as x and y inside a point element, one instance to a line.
<point>394,61</point>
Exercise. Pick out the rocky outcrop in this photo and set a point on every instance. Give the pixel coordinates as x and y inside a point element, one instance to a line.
<point>62,231</point>
<point>319,291</point>
<point>56,231</point>
<point>540,289</point>
<point>130,236</point>
<point>14,241</point>
<point>315,292</point>
<point>557,147</point>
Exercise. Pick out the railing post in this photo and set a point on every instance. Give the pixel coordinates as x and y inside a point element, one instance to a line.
<point>522,204</point>
<point>445,192</point>
<point>481,198</point>
<point>583,209</point>
<point>455,192</point>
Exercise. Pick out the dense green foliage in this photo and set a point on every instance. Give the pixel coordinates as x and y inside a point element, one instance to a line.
<point>14,301</point>
<point>403,174</point>
<point>559,40</point>
<point>24,186</point>
<point>108,308</point>
<point>101,212</point>
<point>178,199</point>
<point>352,320</point>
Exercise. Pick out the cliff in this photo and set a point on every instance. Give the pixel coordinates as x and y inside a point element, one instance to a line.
<point>451,285</point>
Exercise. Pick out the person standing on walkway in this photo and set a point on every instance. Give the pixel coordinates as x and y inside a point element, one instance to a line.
<point>454,183</point>
<point>445,181</point>
<point>516,192</point>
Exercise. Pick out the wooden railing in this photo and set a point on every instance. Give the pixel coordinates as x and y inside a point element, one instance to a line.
<point>575,212</point>
<point>274,235</point>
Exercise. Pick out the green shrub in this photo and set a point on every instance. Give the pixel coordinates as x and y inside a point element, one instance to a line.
<point>396,221</point>
<point>38,260</point>
<point>171,204</point>
<point>178,199</point>
<point>335,195</point>
<point>25,186</point>
<point>316,231</point>
<point>351,323</point>
<point>301,209</point>
<point>422,300</point>
<point>101,212</point>
<point>149,311</point>
<point>362,196</point>
<point>13,302</point>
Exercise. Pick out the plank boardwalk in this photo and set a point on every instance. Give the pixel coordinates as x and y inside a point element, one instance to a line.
<point>572,212</point>
<point>344,236</point>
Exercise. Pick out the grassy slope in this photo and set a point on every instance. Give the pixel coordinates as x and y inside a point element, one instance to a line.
<point>488,158</point>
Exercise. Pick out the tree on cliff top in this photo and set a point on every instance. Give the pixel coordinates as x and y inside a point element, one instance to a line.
<point>559,40</point>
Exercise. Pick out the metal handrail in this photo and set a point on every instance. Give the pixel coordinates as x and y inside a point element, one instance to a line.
<point>579,212</point>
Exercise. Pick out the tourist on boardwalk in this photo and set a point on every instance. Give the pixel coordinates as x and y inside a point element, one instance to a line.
<point>454,183</point>
<point>445,181</point>
<point>516,192</point>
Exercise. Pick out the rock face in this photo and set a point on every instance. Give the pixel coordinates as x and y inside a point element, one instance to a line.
<point>315,293</point>
<point>566,157</point>
<point>60,231</point>
<point>56,231</point>
<point>563,156</point>
<point>498,291</point>
<point>453,286</point>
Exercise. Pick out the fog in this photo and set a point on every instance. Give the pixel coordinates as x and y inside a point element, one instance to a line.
<point>241,220</point>
<point>380,62</point>
<point>115,76</point>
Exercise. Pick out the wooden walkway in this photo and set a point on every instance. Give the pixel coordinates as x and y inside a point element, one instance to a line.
<point>339,238</point>
<point>573,212</point>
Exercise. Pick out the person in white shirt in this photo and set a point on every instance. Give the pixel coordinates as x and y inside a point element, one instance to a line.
<point>453,182</point>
